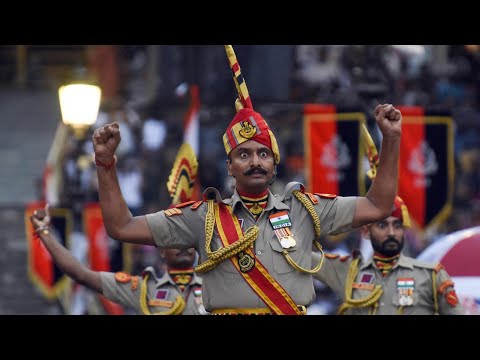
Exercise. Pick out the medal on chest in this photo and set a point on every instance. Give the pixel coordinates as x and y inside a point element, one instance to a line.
<point>281,225</point>
<point>405,288</point>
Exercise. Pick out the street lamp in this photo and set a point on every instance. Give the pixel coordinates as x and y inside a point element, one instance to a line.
<point>79,104</point>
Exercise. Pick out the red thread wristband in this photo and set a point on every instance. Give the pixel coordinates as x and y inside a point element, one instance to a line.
<point>106,166</point>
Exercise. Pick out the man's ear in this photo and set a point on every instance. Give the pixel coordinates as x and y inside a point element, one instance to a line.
<point>229,166</point>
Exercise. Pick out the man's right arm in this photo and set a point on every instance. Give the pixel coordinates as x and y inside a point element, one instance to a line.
<point>62,257</point>
<point>118,220</point>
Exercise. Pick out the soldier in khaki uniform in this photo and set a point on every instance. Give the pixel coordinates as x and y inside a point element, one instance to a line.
<point>389,283</point>
<point>177,292</point>
<point>255,249</point>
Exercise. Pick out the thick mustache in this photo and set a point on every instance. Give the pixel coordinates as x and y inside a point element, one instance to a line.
<point>255,170</point>
<point>391,239</point>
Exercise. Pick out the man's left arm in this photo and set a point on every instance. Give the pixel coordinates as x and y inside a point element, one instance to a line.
<point>378,202</point>
<point>448,303</point>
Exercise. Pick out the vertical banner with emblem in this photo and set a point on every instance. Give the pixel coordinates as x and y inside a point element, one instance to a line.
<point>104,253</point>
<point>426,172</point>
<point>334,151</point>
<point>42,270</point>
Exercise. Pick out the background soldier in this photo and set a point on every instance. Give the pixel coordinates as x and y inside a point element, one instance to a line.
<point>389,282</point>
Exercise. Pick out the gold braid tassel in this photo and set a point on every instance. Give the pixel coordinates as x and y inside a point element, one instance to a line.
<point>299,268</point>
<point>311,210</point>
<point>369,300</point>
<point>222,254</point>
<point>176,309</point>
<point>316,221</point>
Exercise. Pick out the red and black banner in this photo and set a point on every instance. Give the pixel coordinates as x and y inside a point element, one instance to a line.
<point>426,172</point>
<point>104,253</point>
<point>42,270</point>
<point>334,151</point>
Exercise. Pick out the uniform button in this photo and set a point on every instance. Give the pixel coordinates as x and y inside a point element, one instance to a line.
<point>259,252</point>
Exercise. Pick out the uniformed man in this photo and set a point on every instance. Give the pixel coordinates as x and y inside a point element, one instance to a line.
<point>389,283</point>
<point>255,248</point>
<point>177,292</point>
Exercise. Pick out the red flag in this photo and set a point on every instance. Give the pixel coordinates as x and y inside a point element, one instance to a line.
<point>333,152</point>
<point>102,256</point>
<point>426,166</point>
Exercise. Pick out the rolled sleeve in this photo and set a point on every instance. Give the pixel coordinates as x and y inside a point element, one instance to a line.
<point>336,215</point>
<point>120,293</point>
<point>179,231</point>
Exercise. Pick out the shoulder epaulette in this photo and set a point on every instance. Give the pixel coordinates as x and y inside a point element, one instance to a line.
<point>326,196</point>
<point>332,256</point>
<point>312,198</point>
<point>438,267</point>
<point>149,271</point>
<point>172,212</point>
<point>122,277</point>
<point>134,282</point>
<point>182,205</point>
<point>291,187</point>
<point>444,285</point>
<point>196,205</point>
<point>423,264</point>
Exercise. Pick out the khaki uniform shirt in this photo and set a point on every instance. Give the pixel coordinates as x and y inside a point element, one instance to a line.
<point>161,293</point>
<point>334,274</point>
<point>224,286</point>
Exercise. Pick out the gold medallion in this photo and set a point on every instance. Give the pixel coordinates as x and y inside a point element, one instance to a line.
<point>246,262</point>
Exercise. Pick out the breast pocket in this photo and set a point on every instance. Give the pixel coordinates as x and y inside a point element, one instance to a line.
<point>280,263</point>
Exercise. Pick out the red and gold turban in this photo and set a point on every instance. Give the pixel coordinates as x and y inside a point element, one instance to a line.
<point>400,211</point>
<point>247,123</point>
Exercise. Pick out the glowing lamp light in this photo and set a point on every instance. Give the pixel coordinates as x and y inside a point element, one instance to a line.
<point>79,104</point>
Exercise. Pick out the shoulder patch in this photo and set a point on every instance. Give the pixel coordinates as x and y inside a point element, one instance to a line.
<point>451,298</point>
<point>134,282</point>
<point>332,256</point>
<point>438,267</point>
<point>312,198</point>
<point>196,205</point>
<point>182,205</point>
<point>172,212</point>
<point>444,285</point>
<point>122,277</point>
<point>326,196</point>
